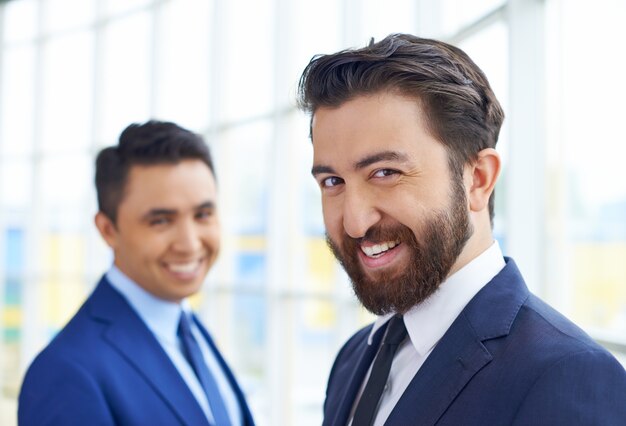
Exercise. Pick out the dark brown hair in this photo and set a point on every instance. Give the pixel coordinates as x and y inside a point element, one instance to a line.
<point>461,109</point>
<point>150,143</point>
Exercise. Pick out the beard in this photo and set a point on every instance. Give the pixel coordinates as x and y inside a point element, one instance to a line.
<point>441,240</point>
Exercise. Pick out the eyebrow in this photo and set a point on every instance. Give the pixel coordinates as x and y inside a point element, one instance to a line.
<point>316,170</point>
<point>159,212</point>
<point>206,205</point>
<point>381,156</point>
<point>171,212</point>
<point>366,161</point>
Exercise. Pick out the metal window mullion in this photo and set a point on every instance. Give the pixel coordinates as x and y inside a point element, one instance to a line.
<point>92,239</point>
<point>281,229</point>
<point>33,332</point>
<point>487,20</point>
<point>157,25</point>
<point>220,153</point>
<point>3,220</point>
<point>525,192</point>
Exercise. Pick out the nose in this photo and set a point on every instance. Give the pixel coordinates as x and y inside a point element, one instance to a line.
<point>360,213</point>
<point>187,238</point>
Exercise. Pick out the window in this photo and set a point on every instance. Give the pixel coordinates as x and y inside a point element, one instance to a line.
<point>587,226</point>
<point>74,74</point>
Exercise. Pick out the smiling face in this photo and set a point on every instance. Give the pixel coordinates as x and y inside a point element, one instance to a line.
<point>167,235</point>
<point>396,217</point>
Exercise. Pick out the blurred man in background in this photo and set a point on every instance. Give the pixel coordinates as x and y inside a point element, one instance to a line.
<point>403,134</point>
<point>135,354</point>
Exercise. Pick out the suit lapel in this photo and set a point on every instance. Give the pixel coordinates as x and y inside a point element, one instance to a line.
<point>460,353</point>
<point>355,379</point>
<point>128,334</point>
<point>245,410</point>
<point>453,362</point>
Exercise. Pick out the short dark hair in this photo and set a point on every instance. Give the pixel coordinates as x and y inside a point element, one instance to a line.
<point>462,111</point>
<point>151,143</point>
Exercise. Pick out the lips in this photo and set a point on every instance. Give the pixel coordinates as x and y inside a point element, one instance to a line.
<point>381,255</point>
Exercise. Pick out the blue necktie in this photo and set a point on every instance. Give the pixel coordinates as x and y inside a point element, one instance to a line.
<point>370,399</point>
<point>192,352</point>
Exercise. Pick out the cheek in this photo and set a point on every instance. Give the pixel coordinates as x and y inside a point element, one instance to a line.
<point>142,246</point>
<point>333,219</point>
<point>415,202</point>
<point>212,238</point>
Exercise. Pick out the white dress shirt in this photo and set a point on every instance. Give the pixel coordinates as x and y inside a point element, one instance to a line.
<point>162,318</point>
<point>426,324</point>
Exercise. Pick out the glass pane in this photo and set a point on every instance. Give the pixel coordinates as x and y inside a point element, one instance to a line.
<point>587,163</point>
<point>250,262</point>
<point>242,159</point>
<point>306,38</point>
<point>239,324</point>
<point>14,260</point>
<point>380,19</point>
<point>16,184</point>
<point>126,75</point>
<point>457,14</point>
<point>67,92</point>
<point>113,7</point>
<point>61,15</point>
<point>61,289</point>
<point>183,63</point>
<point>320,275</point>
<point>20,20</point>
<point>317,268</point>
<point>66,188</point>
<point>242,162</point>
<point>312,206</point>
<point>17,99</point>
<point>312,344</point>
<point>489,50</point>
<point>248,63</point>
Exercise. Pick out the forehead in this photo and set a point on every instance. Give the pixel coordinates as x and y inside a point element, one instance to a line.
<point>186,182</point>
<point>369,124</point>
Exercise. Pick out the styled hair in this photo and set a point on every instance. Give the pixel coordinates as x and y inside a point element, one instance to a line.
<point>150,143</point>
<point>461,110</point>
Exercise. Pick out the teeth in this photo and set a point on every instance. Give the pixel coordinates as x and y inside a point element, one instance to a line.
<point>183,267</point>
<point>377,249</point>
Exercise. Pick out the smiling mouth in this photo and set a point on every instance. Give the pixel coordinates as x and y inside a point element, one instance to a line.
<point>184,267</point>
<point>378,250</point>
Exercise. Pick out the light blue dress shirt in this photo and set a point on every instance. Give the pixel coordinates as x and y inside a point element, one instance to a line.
<point>162,317</point>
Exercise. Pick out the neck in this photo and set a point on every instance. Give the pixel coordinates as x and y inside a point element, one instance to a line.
<point>481,240</point>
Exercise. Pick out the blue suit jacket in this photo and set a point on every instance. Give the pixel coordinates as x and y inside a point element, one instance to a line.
<point>105,367</point>
<point>508,359</point>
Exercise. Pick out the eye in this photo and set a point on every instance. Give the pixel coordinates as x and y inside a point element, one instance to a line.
<point>159,221</point>
<point>330,182</point>
<point>204,214</point>
<point>381,173</point>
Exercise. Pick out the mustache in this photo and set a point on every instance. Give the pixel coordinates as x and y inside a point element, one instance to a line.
<point>379,234</point>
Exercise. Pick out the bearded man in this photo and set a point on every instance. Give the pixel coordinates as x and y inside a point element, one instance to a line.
<point>404,134</point>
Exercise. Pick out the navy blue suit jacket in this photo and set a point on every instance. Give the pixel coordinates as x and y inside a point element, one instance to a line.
<point>105,367</point>
<point>508,359</point>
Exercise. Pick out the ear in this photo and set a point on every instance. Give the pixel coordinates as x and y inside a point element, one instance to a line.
<point>484,174</point>
<point>107,229</point>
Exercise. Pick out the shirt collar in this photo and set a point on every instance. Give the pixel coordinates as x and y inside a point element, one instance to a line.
<point>427,322</point>
<point>161,316</point>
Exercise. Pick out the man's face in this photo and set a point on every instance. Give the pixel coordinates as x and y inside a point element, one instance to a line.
<point>395,216</point>
<point>167,232</point>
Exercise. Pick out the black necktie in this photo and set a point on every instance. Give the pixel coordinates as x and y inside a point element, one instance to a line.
<point>192,352</point>
<point>368,404</point>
